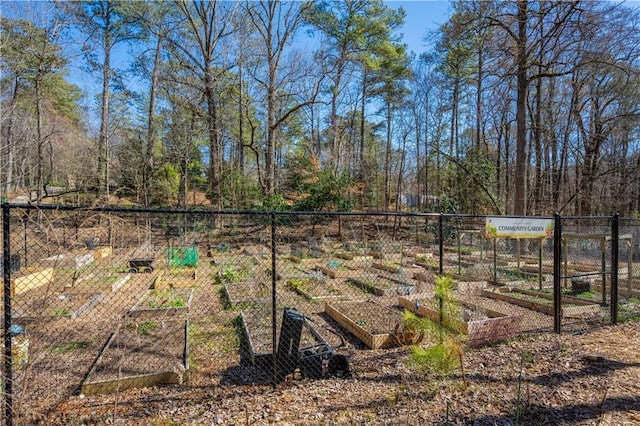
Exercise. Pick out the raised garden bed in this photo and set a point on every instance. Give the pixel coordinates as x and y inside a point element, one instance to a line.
<point>59,305</point>
<point>94,280</point>
<point>407,267</point>
<point>383,286</point>
<point>470,286</point>
<point>232,273</point>
<point>317,289</point>
<point>175,278</point>
<point>247,293</point>
<point>29,279</point>
<point>344,255</point>
<point>287,270</point>
<point>305,260</point>
<point>479,324</point>
<point>428,264</point>
<point>373,324</point>
<point>162,303</point>
<point>543,302</point>
<point>336,270</point>
<point>140,354</point>
<point>389,267</point>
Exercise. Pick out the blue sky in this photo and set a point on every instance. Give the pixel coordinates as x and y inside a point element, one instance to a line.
<point>422,16</point>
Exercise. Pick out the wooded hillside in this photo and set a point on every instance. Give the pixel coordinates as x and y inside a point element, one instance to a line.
<point>513,107</point>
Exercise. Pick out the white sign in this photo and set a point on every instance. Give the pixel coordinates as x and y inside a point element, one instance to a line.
<point>522,227</point>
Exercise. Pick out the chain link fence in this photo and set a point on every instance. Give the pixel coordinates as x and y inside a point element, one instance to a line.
<point>99,301</point>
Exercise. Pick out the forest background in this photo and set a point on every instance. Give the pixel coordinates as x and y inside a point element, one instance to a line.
<point>514,107</point>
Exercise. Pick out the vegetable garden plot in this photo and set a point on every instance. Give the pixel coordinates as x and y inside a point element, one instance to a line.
<point>334,269</point>
<point>108,283</point>
<point>381,285</point>
<point>319,289</point>
<point>629,309</point>
<point>174,278</point>
<point>542,302</point>
<point>286,270</point>
<point>236,272</point>
<point>373,324</point>
<point>406,269</point>
<point>162,302</point>
<point>57,304</point>
<point>248,292</point>
<point>480,324</point>
<point>140,354</point>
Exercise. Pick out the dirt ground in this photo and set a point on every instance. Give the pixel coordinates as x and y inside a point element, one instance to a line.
<point>544,379</point>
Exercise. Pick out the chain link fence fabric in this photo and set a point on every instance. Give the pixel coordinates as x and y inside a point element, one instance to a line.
<point>99,301</point>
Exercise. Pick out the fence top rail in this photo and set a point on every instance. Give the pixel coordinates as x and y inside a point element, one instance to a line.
<point>115,209</point>
<point>606,237</point>
<point>600,217</point>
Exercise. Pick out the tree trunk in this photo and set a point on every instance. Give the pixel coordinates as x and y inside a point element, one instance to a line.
<point>151,126</point>
<point>519,206</point>
<point>212,124</point>
<point>103,143</point>
<point>537,147</point>
<point>8,167</point>
<point>387,160</point>
<point>479,138</point>
<point>39,143</point>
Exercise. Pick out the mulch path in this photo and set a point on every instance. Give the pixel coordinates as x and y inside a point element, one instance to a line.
<point>591,378</point>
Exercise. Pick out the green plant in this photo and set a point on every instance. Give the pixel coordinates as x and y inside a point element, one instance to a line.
<point>147,327</point>
<point>448,352</point>
<point>298,284</point>
<point>166,298</point>
<point>448,310</point>
<point>587,295</point>
<point>229,274</point>
<point>437,358</point>
<point>61,312</point>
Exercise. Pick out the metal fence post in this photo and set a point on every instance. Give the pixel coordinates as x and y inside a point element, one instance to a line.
<point>557,261</point>
<point>274,300</point>
<point>441,243</point>
<point>603,268</point>
<point>615,236</point>
<point>7,377</point>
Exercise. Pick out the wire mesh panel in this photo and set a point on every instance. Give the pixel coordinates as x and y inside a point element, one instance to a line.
<point>493,273</point>
<point>629,270</point>
<point>586,280</point>
<point>108,301</point>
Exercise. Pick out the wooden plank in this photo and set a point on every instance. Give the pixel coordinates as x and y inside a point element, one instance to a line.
<point>565,297</point>
<point>577,310</point>
<point>373,341</point>
<point>342,272</point>
<point>117,385</point>
<point>545,309</point>
<point>498,326</point>
<point>31,280</point>
<point>93,301</point>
